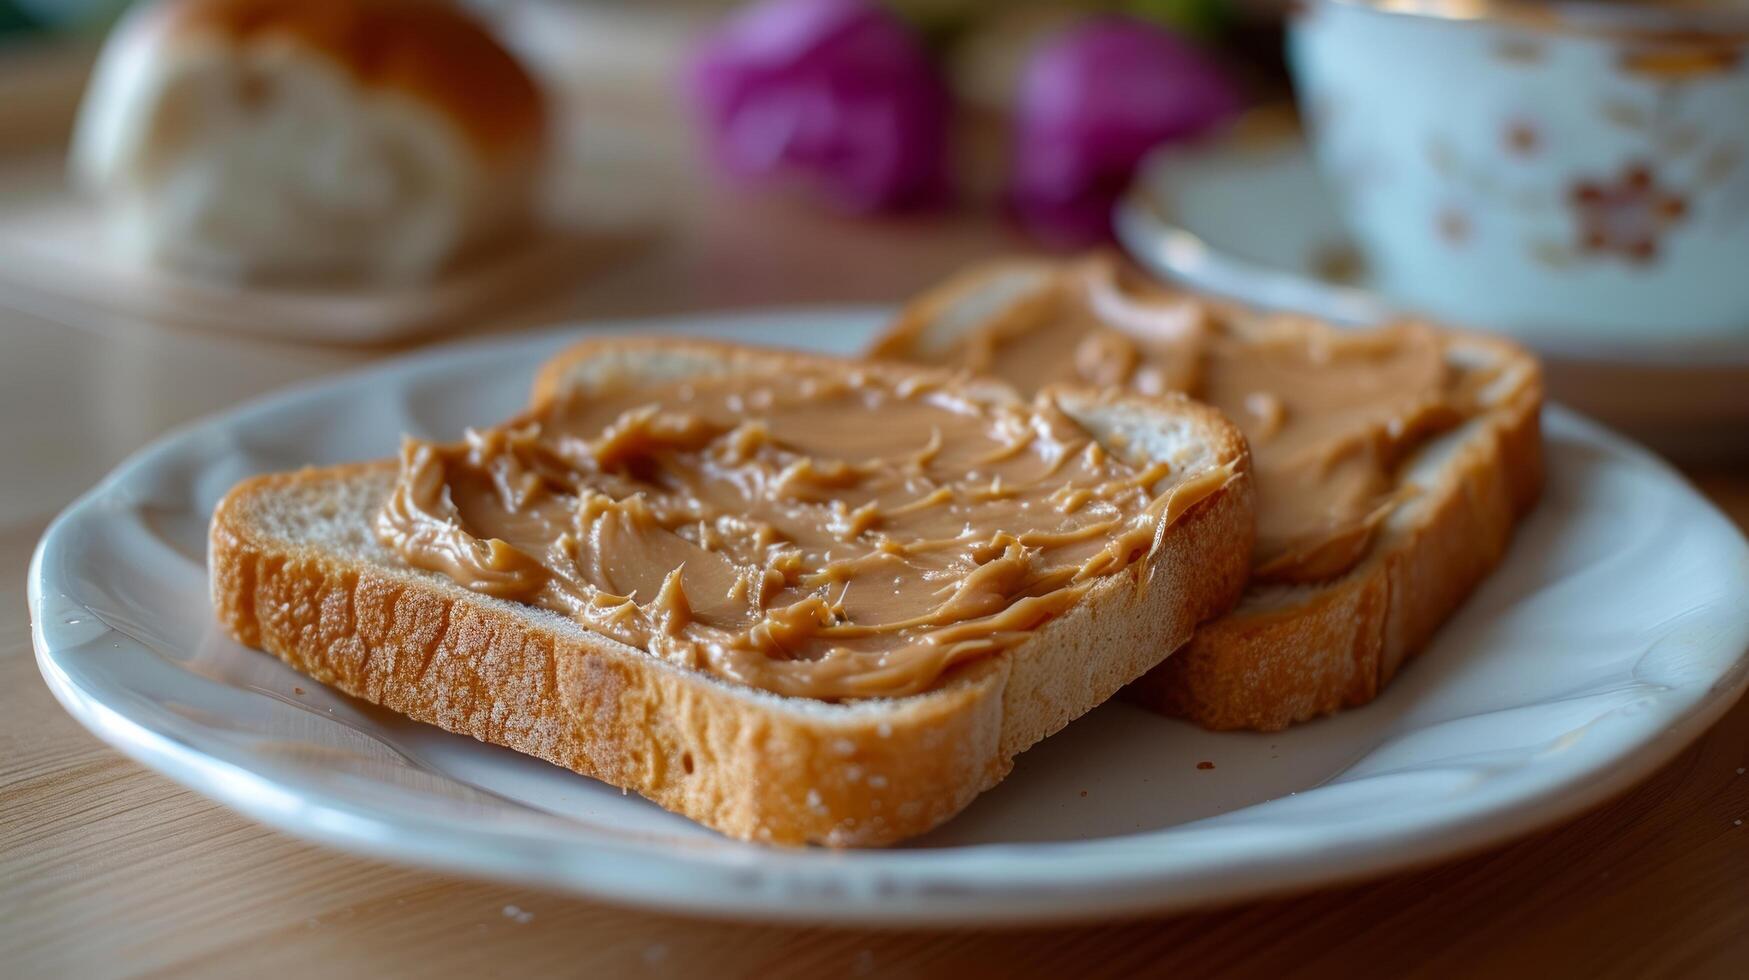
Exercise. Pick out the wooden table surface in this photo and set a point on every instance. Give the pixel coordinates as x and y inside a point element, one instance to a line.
<point>108,869</point>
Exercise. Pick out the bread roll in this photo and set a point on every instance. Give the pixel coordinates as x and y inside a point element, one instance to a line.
<point>308,139</point>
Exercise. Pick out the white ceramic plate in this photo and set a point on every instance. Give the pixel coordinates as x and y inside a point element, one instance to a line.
<point>1248,218</point>
<point>1614,634</point>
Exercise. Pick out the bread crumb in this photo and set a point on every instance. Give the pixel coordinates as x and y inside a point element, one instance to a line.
<point>1084,793</point>
<point>518,915</point>
<point>1205,765</point>
<point>299,690</point>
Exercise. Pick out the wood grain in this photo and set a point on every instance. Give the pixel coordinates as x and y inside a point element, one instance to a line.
<point>107,869</point>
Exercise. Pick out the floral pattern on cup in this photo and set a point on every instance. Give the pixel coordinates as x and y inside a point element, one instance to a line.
<point>1453,226</point>
<point>1521,137</point>
<point>1543,177</point>
<point>1519,51</point>
<point>1626,215</point>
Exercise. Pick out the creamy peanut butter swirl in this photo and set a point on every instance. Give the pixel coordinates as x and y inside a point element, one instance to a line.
<point>1331,414</point>
<point>819,533</point>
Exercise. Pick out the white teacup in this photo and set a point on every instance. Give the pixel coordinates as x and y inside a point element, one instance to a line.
<point>1571,173</point>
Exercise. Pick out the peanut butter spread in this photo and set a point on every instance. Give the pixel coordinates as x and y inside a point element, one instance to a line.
<point>1331,414</point>
<point>820,532</point>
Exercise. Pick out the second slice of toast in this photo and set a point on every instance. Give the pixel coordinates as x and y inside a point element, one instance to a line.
<point>300,569</point>
<point>1290,651</point>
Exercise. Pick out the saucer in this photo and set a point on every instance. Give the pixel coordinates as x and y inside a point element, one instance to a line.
<point>1247,217</point>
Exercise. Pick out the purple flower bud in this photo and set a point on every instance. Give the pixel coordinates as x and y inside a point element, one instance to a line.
<point>835,92</point>
<point>1093,101</point>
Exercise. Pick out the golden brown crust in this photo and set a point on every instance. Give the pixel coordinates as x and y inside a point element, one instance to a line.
<point>1268,670</point>
<point>1338,647</point>
<point>902,340</point>
<point>431,51</point>
<point>750,765</point>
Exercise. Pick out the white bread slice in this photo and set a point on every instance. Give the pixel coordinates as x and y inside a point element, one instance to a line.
<point>1290,653</point>
<point>297,571</point>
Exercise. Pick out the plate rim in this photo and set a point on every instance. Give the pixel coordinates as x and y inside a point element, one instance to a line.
<point>1045,893</point>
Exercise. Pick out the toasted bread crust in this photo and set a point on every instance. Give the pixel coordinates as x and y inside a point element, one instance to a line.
<point>560,373</point>
<point>1266,671</point>
<point>1268,668</point>
<point>751,765</point>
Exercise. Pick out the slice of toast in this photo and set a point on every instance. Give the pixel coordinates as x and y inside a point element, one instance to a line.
<point>298,571</point>
<point>1289,653</point>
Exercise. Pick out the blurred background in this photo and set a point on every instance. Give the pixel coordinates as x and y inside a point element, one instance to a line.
<point>187,221</point>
